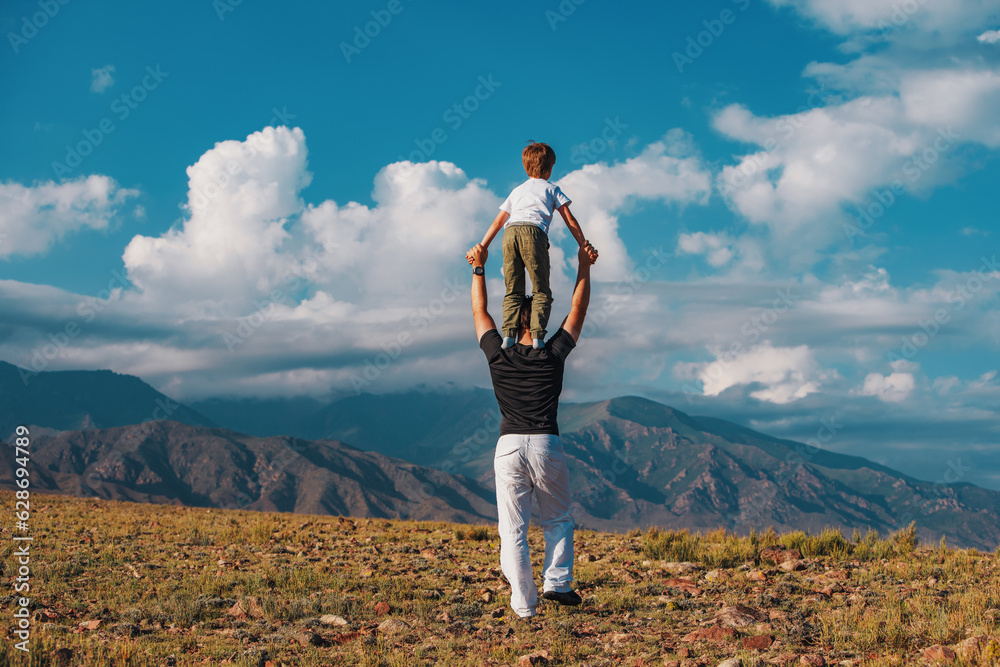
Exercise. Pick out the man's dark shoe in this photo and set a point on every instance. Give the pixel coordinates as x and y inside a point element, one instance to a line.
<point>569,597</point>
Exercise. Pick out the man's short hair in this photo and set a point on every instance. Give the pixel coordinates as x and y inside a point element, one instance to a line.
<point>538,158</point>
<point>524,321</point>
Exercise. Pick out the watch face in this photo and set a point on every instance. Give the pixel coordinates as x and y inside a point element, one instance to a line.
<point>478,271</point>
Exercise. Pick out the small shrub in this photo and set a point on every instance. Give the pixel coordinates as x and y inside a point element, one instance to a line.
<point>474,533</point>
<point>671,545</point>
<point>479,534</point>
<point>906,538</point>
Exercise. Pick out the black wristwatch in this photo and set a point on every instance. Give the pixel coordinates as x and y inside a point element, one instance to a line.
<point>478,270</point>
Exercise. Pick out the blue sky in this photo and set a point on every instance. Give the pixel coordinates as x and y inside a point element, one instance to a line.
<point>270,204</point>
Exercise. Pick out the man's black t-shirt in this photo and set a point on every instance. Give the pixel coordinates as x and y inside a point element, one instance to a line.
<point>527,382</point>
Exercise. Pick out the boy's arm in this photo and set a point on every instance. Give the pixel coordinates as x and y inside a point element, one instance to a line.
<point>574,226</point>
<point>573,324</point>
<point>477,257</point>
<point>495,228</point>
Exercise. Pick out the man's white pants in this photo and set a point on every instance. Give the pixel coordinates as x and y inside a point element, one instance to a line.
<point>524,465</point>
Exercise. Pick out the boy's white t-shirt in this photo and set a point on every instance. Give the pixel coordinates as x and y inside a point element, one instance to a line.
<point>534,202</point>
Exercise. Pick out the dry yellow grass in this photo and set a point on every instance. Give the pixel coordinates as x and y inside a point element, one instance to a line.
<point>132,584</point>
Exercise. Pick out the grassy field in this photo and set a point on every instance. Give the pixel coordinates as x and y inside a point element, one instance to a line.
<point>131,584</point>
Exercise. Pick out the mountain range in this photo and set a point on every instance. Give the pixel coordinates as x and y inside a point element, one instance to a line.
<point>633,462</point>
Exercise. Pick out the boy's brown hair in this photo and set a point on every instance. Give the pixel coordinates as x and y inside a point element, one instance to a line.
<point>538,159</point>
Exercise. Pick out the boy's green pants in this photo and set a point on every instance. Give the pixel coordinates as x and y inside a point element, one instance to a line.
<point>526,247</point>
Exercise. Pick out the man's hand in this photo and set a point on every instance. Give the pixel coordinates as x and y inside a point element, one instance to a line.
<point>588,253</point>
<point>484,323</point>
<point>477,255</point>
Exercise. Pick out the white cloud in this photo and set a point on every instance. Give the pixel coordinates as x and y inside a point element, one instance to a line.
<point>990,37</point>
<point>101,78</point>
<point>815,164</point>
<point>895,19</point>
<point>717,248</point>
<point>240,196</point>
<point>892,388</point>
<point>33,217</point>
<point>786,373</point>
<point>963,99</point>
<point>424,217</point>
<point>667,170</point>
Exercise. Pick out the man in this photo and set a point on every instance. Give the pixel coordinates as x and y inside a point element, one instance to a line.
<point>529,457</point>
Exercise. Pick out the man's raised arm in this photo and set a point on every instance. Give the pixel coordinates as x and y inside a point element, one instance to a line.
<point>477,258</point>
<point>573,323</point>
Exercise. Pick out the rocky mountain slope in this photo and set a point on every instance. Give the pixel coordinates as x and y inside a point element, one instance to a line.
<point>169,462</point>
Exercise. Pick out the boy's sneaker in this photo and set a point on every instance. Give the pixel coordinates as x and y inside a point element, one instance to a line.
<point>569,597</point>
<point>508,341</point>
<point>537,343</point>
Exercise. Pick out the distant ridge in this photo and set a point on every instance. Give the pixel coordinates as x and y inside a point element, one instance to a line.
<point>75,400</point>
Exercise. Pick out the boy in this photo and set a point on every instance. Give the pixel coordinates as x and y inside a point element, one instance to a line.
<point>529,209</point>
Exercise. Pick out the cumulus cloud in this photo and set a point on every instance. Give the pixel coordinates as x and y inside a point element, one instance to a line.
<point>990,37</point>
<point>240,197</point>
<point>33,217</point>
<point>667,170</point>
<point>423,218</point>
<point>102,78</point>
<point>785,374</point>
<point>892,388</point>
<point>717,248</point>
<point>820,171</point>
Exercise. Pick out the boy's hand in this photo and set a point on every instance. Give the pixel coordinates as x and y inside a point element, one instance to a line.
<point>477,255</point>
<point>469,255</point>
<point>588,252</point>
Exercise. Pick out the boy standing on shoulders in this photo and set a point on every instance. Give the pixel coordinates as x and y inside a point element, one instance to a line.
<point>525,217</point>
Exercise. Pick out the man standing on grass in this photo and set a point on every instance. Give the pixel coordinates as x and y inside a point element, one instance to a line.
<point>529,458</point>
